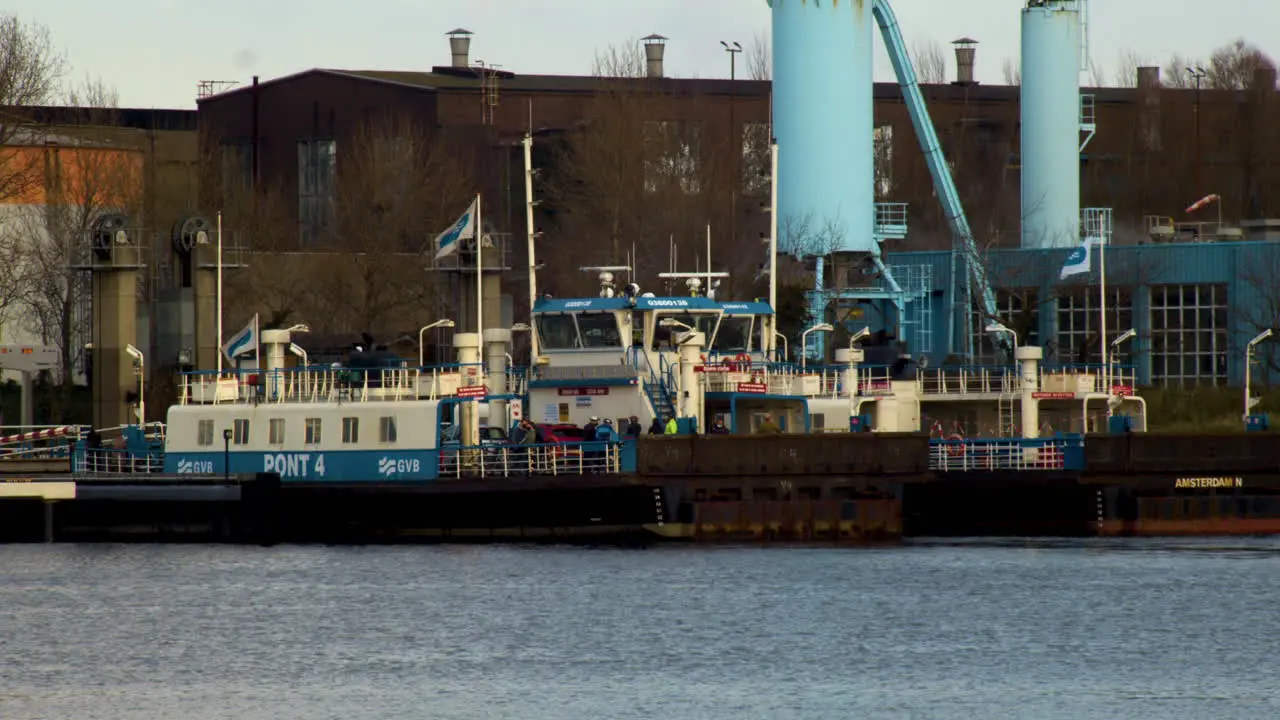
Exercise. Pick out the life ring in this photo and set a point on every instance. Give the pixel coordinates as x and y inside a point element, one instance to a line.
<point>742,361</point>
<point>956,447</point>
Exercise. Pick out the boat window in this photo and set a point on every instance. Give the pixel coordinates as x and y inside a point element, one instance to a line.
<point>275,431</point>
<point>557,332</point>
<point>599,330</point>
<point>204,432</point>
<point>350,430</point>
<point>732,335</point>
<point>311,431</point>
<point>240,431</point>
<point>664,338</point>
<point>387,429</point>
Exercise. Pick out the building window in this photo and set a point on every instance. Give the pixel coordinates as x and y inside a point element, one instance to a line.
<point>240,431</point>
<point>204,432</point>
<point>350,430</point>
<point>1189,334</point>
<point>1078,341</point>
<point>1018,310</point>
<point>882,144</point>
<point>317,161</point>
<point>672,156</point>
<point>275,431</point>
<point>237,168</point>
<point>387,429</point>
<point>311,431</point>
<point>757,163</point>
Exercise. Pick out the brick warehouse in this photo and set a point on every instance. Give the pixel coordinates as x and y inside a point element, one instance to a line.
<point>1152,145</point>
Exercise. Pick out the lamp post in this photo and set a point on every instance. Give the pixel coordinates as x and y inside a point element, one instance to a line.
<point>786,353</point>
<point>853,339</point>
<point>423,330</point>
<point>293,348</point>
<point>1198,74</point>
<point>1249,400</point>
<point>733,49</point>
<point>995,327</point>
<point>136,354</point>
<point>1115,353</point>
<point>226,455</point>
<point>804,340</point>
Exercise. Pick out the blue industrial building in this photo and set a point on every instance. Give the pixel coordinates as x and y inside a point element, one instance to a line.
<point>1194,306</point>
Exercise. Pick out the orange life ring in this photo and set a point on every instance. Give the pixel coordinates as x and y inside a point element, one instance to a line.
<point>954,449</point>
<point>744,360</point>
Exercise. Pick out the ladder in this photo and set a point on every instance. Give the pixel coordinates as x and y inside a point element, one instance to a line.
<point>1008,410</point>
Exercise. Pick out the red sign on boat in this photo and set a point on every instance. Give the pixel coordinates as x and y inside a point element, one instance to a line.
<point>473,391</point>
<point>755,388</point>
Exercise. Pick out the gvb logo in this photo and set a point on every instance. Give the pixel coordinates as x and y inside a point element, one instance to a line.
<point>191,467</point>
<point>391,466</point>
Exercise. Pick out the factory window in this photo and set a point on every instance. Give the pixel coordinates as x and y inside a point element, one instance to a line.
<point>237,168</point>
<point>317,160</point>
<point>311,431</point>
<point>275,431</point>
<point>387,429</point>
<point>757,164</point>
<point>204,432</point>
<point>1189,334</point>
<point>672,156</point>
<point>1078,316</point>
<point>350,430</point>
<point>1018,310</point>
<point>882,143</point>
<point>240,431</point>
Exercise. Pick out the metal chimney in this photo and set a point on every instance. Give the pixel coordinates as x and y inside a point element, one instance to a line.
<point>966,48</point>
<point>460,46</point>
<point>654,48</point>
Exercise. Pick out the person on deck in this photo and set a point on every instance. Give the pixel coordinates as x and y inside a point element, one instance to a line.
<point>633,427</point>
<point>670,428</point>
<point>719,428</point>
<point>656,427</point>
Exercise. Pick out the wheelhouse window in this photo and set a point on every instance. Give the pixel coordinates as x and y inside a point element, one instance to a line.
<point>664,338</point>
<point>240,431</point>
<point>275,431</point>
<point>204,432</point>
<point>311,431</point>
<point>387,429</point>
<point>599,330</point>
<point>350,430</point>
<point>733,335</point>
<point>557,332</point>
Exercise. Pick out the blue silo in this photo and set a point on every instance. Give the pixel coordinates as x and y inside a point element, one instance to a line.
<point>1050,148</point>
<point>823,120</point>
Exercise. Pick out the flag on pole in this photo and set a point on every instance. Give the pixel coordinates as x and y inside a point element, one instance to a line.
<point>1079,261</point>
<point>243,342</point>
<point>464,228</point>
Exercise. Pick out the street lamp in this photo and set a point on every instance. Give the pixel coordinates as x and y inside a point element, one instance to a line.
<point>786,353</point>
<point>804,340</point>
<point>226,455</point>
<point>995,327</point>
<point>300,327</point>
<point>1249,400</point>
<point>423,330</point>
<point>733,49</point>
<point>1198,73</point>
<point>293,348</point>
<point>136,354</point>
<point>1115,353</point>
<point>853,339</point>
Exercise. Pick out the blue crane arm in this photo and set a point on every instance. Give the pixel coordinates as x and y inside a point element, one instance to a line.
<point>932,148</point>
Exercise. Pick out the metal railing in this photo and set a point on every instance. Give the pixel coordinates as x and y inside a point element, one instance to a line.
<point>338,384</point>
<point>589,458</point>
<point>112,461</point>
<point>959,455</point>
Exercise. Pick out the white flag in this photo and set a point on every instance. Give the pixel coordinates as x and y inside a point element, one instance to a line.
<point>464,228</point>
<point>243,342</point>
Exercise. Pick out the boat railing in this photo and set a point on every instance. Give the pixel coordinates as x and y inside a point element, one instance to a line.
<point>328,384</point>
<point>37,442</point>
<point>1064,453</point>
<point>588,458</point>
<point>116,462</point>
<point>968,380</point>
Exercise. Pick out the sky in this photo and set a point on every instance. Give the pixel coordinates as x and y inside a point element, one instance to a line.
<point>154,52</point>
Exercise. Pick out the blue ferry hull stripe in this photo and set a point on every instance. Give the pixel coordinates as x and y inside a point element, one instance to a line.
<point>338,466</point>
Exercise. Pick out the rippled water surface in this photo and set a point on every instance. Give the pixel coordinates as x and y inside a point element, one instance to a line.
<point>1114,629</point>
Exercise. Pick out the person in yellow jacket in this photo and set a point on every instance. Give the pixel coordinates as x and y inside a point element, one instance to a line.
<point>670,428</point>
<point>767,426</point>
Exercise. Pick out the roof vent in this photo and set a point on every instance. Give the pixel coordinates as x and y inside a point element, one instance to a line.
<point>460,46</point>
<point>966,48</point>
<point>655,47</point>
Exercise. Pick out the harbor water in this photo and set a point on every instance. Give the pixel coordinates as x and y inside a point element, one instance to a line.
<point>981,629</point>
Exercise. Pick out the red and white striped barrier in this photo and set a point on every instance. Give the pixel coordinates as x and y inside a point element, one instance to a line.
<point>1202,202</point>
<point>45,434</point>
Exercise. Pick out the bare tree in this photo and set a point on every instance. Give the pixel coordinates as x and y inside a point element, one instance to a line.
<point>1126,73</point>
<point>1230,67</point>
<point>90,169</point>
<point>30,70</point>
<point>1012,74</point>
<point>626,60</point>
<point>760,57</point>
<point>1097,78</point>
<point>930,62</point>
